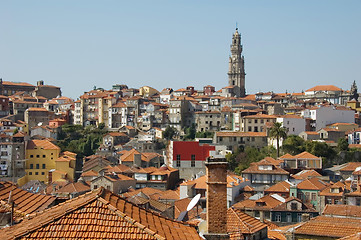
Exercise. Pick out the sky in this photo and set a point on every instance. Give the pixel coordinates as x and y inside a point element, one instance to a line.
<point>78,45</point>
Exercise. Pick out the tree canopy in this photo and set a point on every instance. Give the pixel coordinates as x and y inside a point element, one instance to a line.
<point>278,132</point>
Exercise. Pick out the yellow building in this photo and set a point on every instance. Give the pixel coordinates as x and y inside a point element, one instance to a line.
<point>65,167</point>
<point>147,91</point>
<point>40,158</point>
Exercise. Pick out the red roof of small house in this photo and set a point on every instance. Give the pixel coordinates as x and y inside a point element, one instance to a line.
<point>188,148</point>
<point>324,88</point>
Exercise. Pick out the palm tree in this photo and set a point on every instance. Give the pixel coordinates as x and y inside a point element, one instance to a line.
<point>277,132</point>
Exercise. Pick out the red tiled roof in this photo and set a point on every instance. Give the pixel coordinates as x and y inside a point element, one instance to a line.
<point>45,144</point>
<point>77,187</point>
<point>25,201</point>
<point>342,210</point>
<point>254,168</point>
<point>324,88</point>
<point>90,173</point>
<point>99,215</point>
<point>283,186</point>
<point>351,166</point>
<point>241,223</point>
<point>17,84</point>
<point>312,184</point>
<point>306,174</point>
<point>331,227</point>
<point>268,201</point>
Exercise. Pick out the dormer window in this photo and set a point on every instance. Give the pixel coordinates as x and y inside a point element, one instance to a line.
<point>265,167</point>
<point>261,204</point>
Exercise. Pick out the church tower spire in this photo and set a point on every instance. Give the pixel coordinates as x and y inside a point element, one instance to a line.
<point>236,74</point>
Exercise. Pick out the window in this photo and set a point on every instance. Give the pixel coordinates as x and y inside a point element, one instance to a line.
<point>36,173</point>
<point>37,166</point>
<point>293,206</point>
<point>42,173</point>
<point>307,195</point>
<point>31,166</point>
<point>249,129</point>
<point>193,160</point>
<point>43,165</point>
<point>289,217</point>
<point>220,139</point>
<point>235,139</point>
<point>178,163</point>
<point>37,156</point>
<point>278,217</point>
<point>43,156</point>
<point>95,186</point>
<point>313,196</point>
<point>255,121</point>
<point>31,156</point>
<point>178,156</point>
<point>30,173</point>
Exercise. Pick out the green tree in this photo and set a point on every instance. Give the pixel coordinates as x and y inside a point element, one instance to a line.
<point>169,133</point>
<point>293,144</point>
<point>101,125</point>
<point>204,134</point>
<point>342,144</point>
<point>278,132</point>
<point>190,132</point>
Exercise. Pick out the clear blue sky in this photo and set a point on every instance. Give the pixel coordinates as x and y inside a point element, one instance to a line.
<point>288,45</point>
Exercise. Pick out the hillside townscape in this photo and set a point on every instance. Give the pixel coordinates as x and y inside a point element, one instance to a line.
<point>146,163</point>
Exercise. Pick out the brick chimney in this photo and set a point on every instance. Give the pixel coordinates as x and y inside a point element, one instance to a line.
<point>216,199</point>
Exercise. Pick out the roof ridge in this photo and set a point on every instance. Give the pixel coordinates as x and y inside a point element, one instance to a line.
<point>56,215</point>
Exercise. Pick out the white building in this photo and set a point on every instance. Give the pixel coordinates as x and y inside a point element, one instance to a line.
<point>325,115</point>
<point>293,123</point>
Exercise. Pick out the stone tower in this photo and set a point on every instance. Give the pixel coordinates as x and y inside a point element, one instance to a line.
<point>236,74</point>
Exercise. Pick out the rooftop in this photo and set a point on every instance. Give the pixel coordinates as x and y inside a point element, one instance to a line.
<point>98,215</point>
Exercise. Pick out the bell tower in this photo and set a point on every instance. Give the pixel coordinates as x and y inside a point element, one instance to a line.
<point>236,74</point>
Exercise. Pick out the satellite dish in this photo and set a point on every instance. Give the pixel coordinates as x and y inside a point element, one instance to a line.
<point>193,202</point>
<point>202,228</point>
<point>183,216</point>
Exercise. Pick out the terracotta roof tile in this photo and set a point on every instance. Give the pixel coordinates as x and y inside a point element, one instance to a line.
<point>312,184</point>
<point>306,174</point>
<point>351,166</point>
<point>268,202</point>
<point>99,215</point>
<point>25,201</point>
<point>45,144</point>
<point>283,186</point>
<point>240,222</point>
<point>342,210</point>
<point>329,227</point>
<point>324,88</point>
